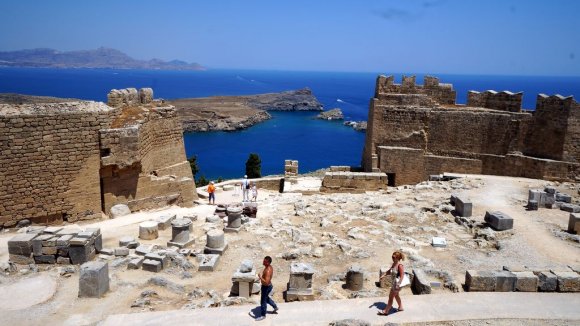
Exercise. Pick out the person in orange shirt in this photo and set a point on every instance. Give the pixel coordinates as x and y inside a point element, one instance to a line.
<point>211,192</point>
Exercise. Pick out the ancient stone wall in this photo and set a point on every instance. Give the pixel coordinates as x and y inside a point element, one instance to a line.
<point>440,93</point>
<point>404,165</point>
<point>129,96</point>
<point>411,136</point>
<point>473,131</point>
<point>74,160</point>
<point>353,182</point>
<point>435,164</point>
<point>50,161</point>
<point>146,166</point>
<point>504,101</point>
<point>547,136</point>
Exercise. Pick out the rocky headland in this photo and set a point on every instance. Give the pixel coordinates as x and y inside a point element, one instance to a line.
<point>12,98</point>
<point>230,113</point>
<point>333,114</point>
<point>97,58</point>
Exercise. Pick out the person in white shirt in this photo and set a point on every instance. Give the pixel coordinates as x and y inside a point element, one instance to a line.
<point>245,188</point>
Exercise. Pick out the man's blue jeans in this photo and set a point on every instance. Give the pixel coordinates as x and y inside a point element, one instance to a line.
<point>265,299</point>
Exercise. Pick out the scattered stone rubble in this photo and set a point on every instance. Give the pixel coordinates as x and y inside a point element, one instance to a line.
<point>55,245</point>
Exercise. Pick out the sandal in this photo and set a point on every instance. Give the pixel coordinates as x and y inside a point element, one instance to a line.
<point>382,313</point>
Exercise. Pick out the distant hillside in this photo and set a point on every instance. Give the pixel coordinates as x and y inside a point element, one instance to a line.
<point>99,58</point>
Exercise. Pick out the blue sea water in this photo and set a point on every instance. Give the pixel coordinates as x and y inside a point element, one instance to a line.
<point>289,135</point>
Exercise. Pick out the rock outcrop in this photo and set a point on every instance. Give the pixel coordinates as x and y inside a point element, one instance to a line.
<point>334,114</point>
<point>357,125</point>
<point>230,113</point>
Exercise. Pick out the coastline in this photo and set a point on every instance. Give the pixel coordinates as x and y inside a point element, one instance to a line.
<point>232,113</point>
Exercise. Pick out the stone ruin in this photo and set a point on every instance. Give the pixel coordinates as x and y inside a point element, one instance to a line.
<point>127,152</point>
<point>341,179</point>
<point>290,168</point>
<point>244,281</point>
<point>415,131</point>
<point>300,283</point>
<point>93,279</point>
<point>55,245</point>
<point>523,279</point>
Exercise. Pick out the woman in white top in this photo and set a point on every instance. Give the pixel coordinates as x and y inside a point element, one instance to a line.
<point>397,273</point>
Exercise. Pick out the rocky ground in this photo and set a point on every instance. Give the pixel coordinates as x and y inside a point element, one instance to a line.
<point>330,231</point>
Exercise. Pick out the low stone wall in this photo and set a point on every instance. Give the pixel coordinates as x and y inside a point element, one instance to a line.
<point>353,182</point>
<point>523,279</point>
<point>55,245</point>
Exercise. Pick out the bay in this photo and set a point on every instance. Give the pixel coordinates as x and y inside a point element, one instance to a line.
<point>289,135</point>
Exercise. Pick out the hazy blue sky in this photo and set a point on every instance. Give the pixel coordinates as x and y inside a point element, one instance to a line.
<point>430,36</point>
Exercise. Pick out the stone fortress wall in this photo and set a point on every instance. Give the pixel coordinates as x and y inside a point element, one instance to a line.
<point>417,130</point>
<point>74,160</point>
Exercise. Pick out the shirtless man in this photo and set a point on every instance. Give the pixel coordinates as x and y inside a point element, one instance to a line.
<point>266,280</point>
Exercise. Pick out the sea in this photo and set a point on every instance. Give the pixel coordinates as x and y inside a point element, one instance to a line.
<point>316,144</point>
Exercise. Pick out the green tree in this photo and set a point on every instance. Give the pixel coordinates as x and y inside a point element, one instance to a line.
<point>254,166</point>
<point>193,165</point>
<point>202,181</point>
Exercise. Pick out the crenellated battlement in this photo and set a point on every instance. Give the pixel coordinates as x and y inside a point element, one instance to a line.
<point>440,93</point>
<point>503,101</point>
<point>555,102</point>
<point>129,96</point>
<point>418,130</point>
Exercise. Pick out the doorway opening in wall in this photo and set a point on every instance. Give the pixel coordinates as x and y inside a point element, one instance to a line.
<point>102,196</point>
<point>391,179</point>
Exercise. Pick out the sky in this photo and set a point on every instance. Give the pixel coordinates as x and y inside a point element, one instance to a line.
<point>502,37</point>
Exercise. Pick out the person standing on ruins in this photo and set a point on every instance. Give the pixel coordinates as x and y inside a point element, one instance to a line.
<point>245,188</point>
<point>267,287</point>
<point>397,272</point>
<point>211,192</point>
<point>254,192</point>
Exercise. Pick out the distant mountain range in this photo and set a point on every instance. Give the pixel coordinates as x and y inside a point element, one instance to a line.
<point>99,58</point>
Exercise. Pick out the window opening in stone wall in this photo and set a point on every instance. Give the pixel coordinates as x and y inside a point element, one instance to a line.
<point>105,152</point>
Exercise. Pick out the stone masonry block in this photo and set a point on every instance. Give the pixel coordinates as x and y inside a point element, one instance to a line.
<point>505,281</point>
<point>565,198</point>
<point>480,281</point>
<point>37,243</point>
<point>81,254</point>
<point>164,260</point>
<point>463,206</point>
<point>22,260</point>
<point>570,208</point>
<point>499,221</point>
<point>152,265</point>
<point>135,263</point>
<point>45,259</point>
<point>568,281</point>
<point>94,279</point>
<point>21,244</point>
<point>526,282</point>
<point>421,284</point>
<point>574,223</point>
<point>547,281</point>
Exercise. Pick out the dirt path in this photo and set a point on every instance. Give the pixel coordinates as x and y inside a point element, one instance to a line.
<point>532,228</point>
